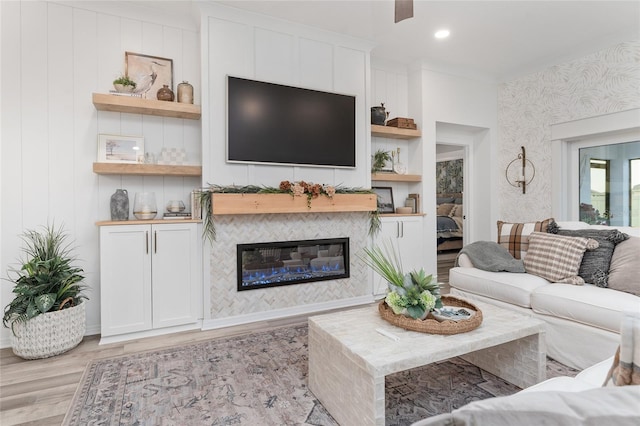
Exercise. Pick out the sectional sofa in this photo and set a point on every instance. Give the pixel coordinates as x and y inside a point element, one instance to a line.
<point>582,320</point>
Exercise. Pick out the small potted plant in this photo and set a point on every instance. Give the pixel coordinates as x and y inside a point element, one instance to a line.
<point>124,84</point>
<point>47,315</point>
<point>414,294</point>
<point>380,159</point>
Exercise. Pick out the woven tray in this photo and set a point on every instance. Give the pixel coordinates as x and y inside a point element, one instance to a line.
<point>430,324</point>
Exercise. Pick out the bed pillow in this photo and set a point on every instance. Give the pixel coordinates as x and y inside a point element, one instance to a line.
<point>456,211</point>
<point>444,209</point>
<point>624,269</point>
<point>515,236</point>
<point>595,263</point>
<point>442,200</point>
<point>556,258</point>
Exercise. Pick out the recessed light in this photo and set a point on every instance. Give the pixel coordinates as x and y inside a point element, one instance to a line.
<point>442,34</point>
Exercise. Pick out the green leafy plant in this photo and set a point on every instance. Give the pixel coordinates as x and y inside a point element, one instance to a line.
<point>380,159</point>
<point>414,294</point>
<point>47,280</point>
<point>125,81</point>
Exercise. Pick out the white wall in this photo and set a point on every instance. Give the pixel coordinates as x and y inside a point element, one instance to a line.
<point>54,55</point>
<point>599,84</point>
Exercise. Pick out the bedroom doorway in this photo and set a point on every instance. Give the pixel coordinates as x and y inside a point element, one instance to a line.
<point>450,166</point>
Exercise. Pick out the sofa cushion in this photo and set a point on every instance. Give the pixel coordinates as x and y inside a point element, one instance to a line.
<point>515,236</point>
<point>504,286</point>
<point>594,268</point>
<point>624,270</point>
<point>556,258</point>
<point>588,304</point>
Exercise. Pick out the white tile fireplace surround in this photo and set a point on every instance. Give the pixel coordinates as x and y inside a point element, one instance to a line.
<point>230,306</point>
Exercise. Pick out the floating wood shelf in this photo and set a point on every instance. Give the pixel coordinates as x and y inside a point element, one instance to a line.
<point>401,215</point>
<point>146,169</point>
<point>393,177</point>
<point>133,105</point>
<point>285,203</point>
<point>394,132</point>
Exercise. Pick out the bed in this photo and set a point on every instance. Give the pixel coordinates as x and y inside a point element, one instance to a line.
<point>449,221</point>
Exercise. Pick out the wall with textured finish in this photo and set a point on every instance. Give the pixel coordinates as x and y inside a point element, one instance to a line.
<point>604,82</point>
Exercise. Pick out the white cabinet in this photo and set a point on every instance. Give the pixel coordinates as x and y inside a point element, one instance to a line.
<point>150,277</point>
<point>405,235</point>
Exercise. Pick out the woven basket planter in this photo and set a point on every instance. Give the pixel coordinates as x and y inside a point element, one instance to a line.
<point>49,334</point>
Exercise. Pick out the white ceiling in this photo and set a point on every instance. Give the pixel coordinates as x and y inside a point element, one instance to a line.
<point>498,40</point>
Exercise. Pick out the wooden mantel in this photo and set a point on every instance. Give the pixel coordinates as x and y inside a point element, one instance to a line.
<point>285,203</point>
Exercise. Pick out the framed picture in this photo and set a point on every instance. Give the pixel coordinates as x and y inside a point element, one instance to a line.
<point>149,72</point>
<point>385,199</point>
<point>120,149</point>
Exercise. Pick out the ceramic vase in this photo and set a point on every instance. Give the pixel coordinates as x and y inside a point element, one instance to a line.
<point>120,205</point>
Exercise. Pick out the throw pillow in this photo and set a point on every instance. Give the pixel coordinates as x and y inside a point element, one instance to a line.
<point>515,236</point>
<point>624,270</point>
<point>595,263</point>
<point>444,209</point>
<point>556,258</point>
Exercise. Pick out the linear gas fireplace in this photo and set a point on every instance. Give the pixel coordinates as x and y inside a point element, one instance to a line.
<point>273,264</point>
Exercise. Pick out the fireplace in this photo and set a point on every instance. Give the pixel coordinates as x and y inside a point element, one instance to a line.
<point>281,263</point>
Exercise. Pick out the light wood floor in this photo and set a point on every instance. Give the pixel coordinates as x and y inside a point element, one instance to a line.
<point>38,392</point>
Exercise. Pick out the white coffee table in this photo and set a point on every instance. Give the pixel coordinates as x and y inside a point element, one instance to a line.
<point>349,358</point>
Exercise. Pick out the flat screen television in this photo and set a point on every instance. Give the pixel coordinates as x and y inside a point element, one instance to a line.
<point>272,123</point>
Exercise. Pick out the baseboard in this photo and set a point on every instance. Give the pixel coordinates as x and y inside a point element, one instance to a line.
<point>211,324</point>
<point>149,333</point>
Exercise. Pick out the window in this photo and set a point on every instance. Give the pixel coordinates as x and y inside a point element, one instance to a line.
<point>609,184</point>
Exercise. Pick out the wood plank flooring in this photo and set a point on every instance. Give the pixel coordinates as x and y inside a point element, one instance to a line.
<point>38,392</point>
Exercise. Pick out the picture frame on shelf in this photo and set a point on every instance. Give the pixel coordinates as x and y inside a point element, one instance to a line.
<point>120,149</point>
<point>150,73</point>
<point>385,199</point>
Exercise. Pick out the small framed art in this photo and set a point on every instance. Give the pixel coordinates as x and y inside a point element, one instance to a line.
<point>385,199</point>
<point>120,149</point>
<point>149,72</point>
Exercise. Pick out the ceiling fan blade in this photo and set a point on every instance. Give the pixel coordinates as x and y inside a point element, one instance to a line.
<point>404,10</point>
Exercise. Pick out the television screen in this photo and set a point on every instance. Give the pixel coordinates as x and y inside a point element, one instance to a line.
<point>272,123</point>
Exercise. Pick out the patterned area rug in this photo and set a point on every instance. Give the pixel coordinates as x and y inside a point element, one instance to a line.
<point>258,379</point>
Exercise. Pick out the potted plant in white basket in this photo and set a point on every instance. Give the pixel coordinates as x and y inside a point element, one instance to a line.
<point>414,294</point>
<point>47,315</point>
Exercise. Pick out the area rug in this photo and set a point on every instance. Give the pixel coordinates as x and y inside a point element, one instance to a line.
<point>257,379</point>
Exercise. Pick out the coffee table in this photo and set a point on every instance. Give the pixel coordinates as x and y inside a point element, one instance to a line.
<point>351,352</point>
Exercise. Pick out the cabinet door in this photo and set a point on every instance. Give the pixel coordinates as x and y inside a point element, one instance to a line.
<point>405,235</point>
<point>125,279</point>
<point>175,272</point>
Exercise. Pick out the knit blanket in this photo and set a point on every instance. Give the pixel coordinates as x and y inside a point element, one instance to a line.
<point>626,364</point>
<point>490,256</point>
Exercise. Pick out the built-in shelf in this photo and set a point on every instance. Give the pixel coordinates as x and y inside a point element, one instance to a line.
<point>146,169</point>
<point>133,105</point>
<point>222,203</point>
<point>145,222</point>
<point>394,177</point>
<point>401,215</point>
<point>394,132</point>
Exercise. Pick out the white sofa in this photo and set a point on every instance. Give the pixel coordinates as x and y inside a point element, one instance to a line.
<point>565,401</point>
<point>582,320</point>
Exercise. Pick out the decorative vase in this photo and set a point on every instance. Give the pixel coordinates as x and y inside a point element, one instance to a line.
<point>144,206</point>
<point>121,88</point>
<point>378,115</point>
<point>185,93</point>
<point>49,334</point>
<point>165,94</point>
<point>120,205</point>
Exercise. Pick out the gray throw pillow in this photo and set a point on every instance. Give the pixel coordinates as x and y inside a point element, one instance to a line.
<point>595,264</point>
<point>625,267</point>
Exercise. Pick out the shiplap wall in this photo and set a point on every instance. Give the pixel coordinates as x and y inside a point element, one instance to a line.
<point>53,57</point>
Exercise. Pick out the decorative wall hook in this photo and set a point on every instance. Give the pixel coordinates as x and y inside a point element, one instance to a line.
<point>520,171</point>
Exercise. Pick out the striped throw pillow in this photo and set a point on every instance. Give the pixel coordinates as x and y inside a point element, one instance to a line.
<point>515,236</point>
<point>556,258</point>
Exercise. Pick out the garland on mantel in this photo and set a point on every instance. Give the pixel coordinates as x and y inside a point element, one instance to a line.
<point>295,189</point>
